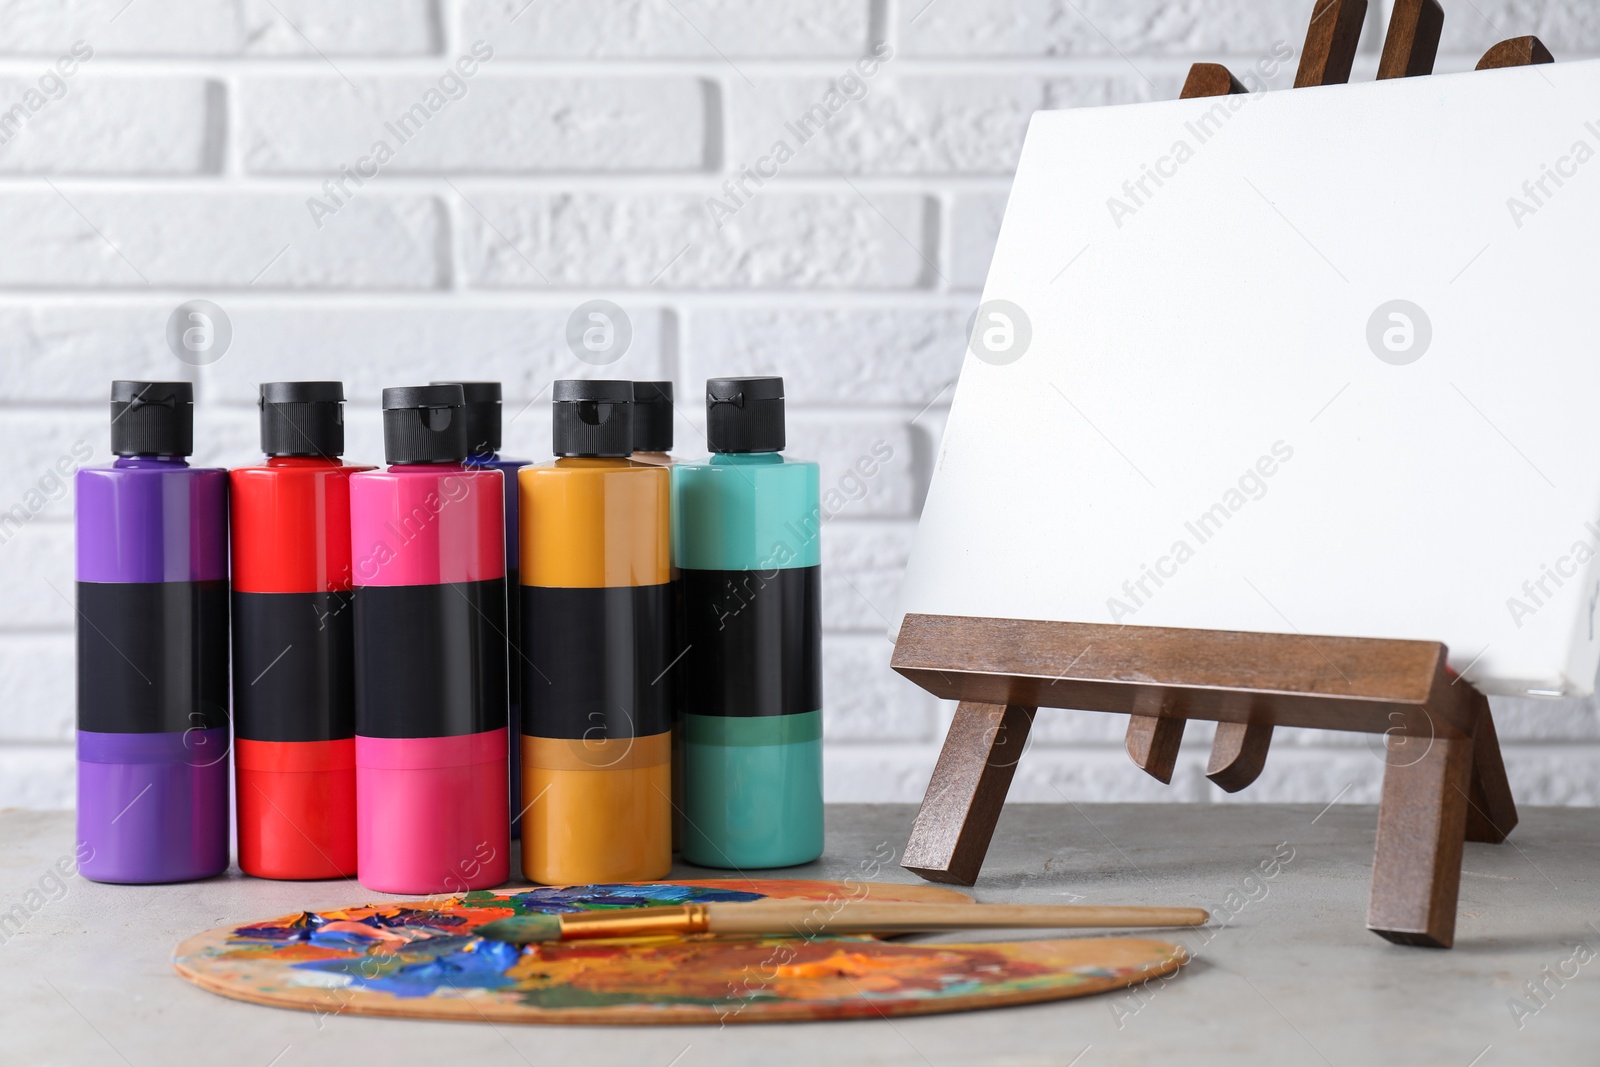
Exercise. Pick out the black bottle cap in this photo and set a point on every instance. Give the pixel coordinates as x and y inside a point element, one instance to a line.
<point>592,418</point>
<point>744,415</point>
<point>482,415</point>
<point>424,424</point>
<point>152,418</point>
<point>302,419</point>
<point>652,416</point>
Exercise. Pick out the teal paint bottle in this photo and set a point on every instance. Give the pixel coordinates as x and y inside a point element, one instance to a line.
<point>747,544</point>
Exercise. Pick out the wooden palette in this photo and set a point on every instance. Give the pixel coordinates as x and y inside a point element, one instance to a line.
<point>419,959</point>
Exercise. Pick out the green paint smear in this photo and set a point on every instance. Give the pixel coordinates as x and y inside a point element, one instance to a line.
<point>481,898</point>
<point>364,968</point>
<point>566,996</point>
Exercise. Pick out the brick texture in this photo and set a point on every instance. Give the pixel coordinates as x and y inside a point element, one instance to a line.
<point>39,446</point>
<point>1099,27</point>
<point>36,688</point>
<point>36,579</point>
<point>669,28</point>
<point>74,237</point>
<point>890,124</point>
<point>68,353</point>
<point>974,228</point>
<point>773,240</point>
<point>623,150</point>
<point>566,124</point>
<point>521,345</point>
<point>89,124</point>
<point>222,27</point>
<point>854,357</point>
<point>1571,28</point>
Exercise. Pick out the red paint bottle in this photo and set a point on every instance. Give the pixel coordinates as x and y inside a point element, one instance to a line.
<point>293,641</point>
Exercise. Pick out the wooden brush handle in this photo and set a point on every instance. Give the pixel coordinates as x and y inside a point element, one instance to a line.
<point>812,917</point>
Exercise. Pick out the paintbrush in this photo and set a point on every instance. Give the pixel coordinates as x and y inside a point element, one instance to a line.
<point>804,918</point>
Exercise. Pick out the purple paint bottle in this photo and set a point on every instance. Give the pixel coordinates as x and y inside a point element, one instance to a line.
<point>153,732</point>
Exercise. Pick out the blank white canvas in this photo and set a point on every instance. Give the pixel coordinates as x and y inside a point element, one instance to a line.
<point>1182,331</point>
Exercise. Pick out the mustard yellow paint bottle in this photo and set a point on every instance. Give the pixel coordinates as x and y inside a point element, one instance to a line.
<point>595,651</point>
<point>652,444</point>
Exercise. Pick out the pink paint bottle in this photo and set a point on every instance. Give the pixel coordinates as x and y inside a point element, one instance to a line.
<point>429,570</point>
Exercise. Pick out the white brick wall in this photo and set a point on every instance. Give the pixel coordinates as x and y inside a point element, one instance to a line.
<point>577,162</point>
<point>669,29</point>
<point>499,124</point>
<point>224,29</point>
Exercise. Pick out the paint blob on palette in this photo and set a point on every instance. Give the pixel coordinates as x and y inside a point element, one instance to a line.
<point>421,959</point>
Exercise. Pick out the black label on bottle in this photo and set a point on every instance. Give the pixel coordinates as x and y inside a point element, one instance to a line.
<point>152,656</point>
<point>597,663</point>
<point>754,641</point>
<point>293,666</point>
<point>430,659</point>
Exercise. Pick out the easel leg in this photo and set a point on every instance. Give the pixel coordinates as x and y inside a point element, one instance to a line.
<point>1152,743</point>
<point>1517,52</point>
<point>967,790</point>
<point>1416,866</point>
<point>1412,43</point>
<point>1331,43</point>
<point>1238,753</point>
<point>1210,79</point>
<point>1492,813</point>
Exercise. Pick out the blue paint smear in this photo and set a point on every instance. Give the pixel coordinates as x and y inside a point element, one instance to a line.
<point>575,898</point>
<point>342,939</point>
<point>458,960</point>
<point>308,928</point>
<point>298,930</point>
<point>480,965</point>
<point>416,917</point>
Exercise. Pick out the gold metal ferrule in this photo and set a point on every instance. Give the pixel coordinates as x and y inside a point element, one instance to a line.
<point>636,922</point>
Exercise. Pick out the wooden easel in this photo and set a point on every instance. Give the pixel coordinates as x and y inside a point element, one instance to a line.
<point>1444,782</point>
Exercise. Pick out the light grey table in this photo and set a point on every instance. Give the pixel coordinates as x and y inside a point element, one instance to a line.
<point>1287,975</point>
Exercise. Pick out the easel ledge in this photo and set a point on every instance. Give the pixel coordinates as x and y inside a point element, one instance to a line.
<point>1444,780</point>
